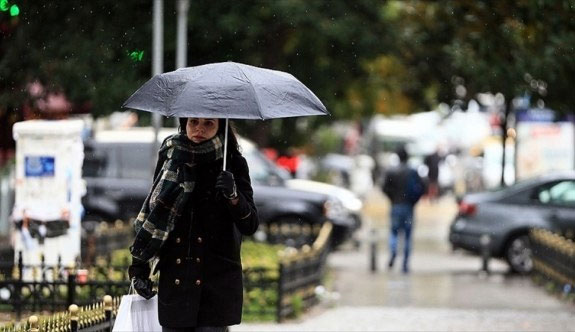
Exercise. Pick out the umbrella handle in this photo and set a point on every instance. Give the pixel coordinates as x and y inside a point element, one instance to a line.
<point>226,145</point>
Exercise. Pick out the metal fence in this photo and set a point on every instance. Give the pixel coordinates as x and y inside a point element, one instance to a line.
<point>105,238</point>
<point>554,261</point>
<point>300,272</point>
<point>276,293</point>
<point>55,287</point>
<point>96,317</point>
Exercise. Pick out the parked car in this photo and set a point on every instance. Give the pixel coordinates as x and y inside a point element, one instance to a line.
<point>118,174</point>
<point>507,215</point>
<point>345,206</point>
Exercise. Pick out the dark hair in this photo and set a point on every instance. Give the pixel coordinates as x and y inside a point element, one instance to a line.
<point>402,154</point>
<point>233,146</point>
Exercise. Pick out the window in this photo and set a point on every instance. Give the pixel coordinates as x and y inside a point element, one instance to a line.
<point>560,193</point>
<point>135,161</point>
<point>259,170</point>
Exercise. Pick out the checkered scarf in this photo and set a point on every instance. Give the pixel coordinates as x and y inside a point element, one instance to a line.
<point>171,190</point>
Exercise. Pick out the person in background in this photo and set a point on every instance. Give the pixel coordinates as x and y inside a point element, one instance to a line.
<point>432,162</point>
<point>193,221</point>
<point>404,187</point>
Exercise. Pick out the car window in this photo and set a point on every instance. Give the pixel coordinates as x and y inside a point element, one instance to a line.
<point>262,170</point>
<point>93,164</point>
<point>135,161</point>
<point>560,193</point>
<point>99,161</point>
<point>259,170</point>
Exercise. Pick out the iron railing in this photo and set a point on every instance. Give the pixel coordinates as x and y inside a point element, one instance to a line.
<point>553,261</point>
<point>281,292</point>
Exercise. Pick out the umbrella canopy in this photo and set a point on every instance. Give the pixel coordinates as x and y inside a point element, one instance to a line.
<point>226,90</point>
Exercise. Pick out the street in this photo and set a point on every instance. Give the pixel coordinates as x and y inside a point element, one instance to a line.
<point>444,290</point>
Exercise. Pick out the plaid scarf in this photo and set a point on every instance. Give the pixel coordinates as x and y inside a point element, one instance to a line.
<point>171,190</point>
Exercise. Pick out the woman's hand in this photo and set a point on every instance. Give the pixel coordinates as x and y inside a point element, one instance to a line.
<point>144,288</point>
<point>139,273</point>
<point>227,186</point>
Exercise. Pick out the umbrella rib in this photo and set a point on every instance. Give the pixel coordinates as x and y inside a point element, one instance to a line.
<point>253,90</point>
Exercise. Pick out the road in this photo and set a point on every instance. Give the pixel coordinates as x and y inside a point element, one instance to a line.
<point>444,291</point>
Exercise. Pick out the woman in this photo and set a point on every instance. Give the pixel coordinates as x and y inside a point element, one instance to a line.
<point>193,221</point>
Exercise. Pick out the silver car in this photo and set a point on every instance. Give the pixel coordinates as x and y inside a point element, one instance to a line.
<point>503,217</point>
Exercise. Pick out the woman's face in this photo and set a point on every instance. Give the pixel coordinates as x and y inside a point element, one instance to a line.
<point>199,130</point>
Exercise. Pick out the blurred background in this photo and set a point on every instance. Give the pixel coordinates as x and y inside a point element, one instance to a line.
<point>480,93</point>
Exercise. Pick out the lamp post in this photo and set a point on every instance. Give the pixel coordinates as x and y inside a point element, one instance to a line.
<point>157,66</point>
<point>182,6</point>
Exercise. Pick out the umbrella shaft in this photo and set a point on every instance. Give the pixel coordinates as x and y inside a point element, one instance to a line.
<point>226,145</point>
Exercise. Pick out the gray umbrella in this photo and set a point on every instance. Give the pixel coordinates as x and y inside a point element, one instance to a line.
<point>226,90</point>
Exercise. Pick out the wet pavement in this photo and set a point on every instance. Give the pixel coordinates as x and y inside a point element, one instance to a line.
<point>444,291</point>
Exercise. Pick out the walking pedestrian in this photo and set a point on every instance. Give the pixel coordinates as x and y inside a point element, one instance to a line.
<point>404,187</point>
<point>432,162</point>
<point>193,221</point>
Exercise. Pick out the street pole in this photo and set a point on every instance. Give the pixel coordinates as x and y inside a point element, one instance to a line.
<point>373,250</point>
<point>157,66</point>
<point>182,6</point>
<point>485,242</point>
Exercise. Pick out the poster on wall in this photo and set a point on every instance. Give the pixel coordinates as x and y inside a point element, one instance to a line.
<point>544,147</point>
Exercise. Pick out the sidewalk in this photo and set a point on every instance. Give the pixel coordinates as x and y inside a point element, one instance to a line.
<point>444,291</point>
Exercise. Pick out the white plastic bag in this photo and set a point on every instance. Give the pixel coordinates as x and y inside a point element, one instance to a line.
<point>137,314</point>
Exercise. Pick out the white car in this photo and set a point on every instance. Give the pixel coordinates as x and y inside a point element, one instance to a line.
<point>345,205</point>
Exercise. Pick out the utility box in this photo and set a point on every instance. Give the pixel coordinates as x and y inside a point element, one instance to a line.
<point>48,191</point>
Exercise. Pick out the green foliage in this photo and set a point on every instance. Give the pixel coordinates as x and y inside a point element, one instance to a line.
<point>360,57</point>
<point>508,47</point>
<point>120,257</point>
<point>75,48</point>
<point>325,140</point>
<point>260,304</point>
<point>297,305</point>
<point>260,255</point>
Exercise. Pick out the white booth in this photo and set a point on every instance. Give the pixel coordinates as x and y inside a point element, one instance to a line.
<point>48,190</point>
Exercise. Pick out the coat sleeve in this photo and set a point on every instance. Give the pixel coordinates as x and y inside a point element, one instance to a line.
<point>244,213</point>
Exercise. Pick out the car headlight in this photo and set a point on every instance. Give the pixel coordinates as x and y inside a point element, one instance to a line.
<point>333,209</point>
<point>353,204</point>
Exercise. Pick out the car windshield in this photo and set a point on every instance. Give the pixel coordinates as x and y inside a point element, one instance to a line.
<point>118,160</point>
<point>262,170</point>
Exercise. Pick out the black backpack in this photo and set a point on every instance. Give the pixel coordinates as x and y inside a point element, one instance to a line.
<point>415,188</point>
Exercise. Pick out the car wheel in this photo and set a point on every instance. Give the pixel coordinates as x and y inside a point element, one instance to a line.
<point>518,254</point>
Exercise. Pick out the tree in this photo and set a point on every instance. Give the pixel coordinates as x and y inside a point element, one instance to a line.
<point>322,43</point>
<point>84,49</point>
<point>492,46</point>
<point>72,47</point>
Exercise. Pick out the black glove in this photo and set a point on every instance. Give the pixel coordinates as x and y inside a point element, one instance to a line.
<point>139,272</point>
<point>226,185</point>
<point>144,288</point>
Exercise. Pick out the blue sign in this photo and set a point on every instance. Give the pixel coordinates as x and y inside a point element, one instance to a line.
<point>38,166</point>
<point>536,115</point>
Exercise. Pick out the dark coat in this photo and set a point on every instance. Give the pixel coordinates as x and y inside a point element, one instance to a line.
<point>200,267</point>
<point>396,182</point>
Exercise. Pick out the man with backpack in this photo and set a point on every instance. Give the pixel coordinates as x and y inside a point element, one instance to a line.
<point>404,187</point>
